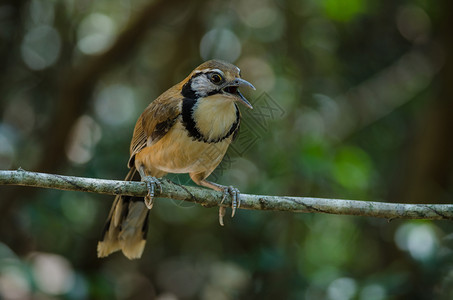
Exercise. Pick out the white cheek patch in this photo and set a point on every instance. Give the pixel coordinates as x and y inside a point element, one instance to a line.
<point>202,85</point>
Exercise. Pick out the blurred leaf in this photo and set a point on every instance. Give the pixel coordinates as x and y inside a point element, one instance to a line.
<point>343,10</point>
<point>352,168</point>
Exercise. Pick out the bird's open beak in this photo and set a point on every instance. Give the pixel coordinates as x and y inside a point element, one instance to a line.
<point>232,88</point>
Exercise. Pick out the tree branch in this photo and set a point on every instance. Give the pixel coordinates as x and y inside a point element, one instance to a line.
<point>212,198</point>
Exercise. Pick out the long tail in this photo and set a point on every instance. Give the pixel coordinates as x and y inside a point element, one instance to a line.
<point>126,226</point>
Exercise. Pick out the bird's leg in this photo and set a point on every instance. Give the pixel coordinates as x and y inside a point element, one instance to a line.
<point>227,191</point>
<point>151,184</point>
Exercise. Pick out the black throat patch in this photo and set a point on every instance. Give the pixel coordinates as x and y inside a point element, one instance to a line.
<point>187,90</point>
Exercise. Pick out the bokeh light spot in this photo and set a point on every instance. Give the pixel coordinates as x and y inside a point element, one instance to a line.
<point>257,13</point>
<point>53,273</point>
<point>419,239</point>
<point>342,289</point>
<point>84,137</point>
<point>42,12</point>
<point>259,72</point>
<point>220,43</point>
<point>13,283</point>
<point>373,292</point>
<point>95,33</point>
<point>413,23</point>
<point>41,47</point>
<point>115,105</point>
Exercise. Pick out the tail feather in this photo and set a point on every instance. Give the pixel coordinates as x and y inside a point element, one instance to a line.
<point>126,226</point>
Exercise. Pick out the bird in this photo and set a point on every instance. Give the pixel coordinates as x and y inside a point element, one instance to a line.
<point>187,129</point>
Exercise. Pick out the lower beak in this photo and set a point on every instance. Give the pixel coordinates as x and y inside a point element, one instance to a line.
<point>244,101</point>
<point>239,82</point>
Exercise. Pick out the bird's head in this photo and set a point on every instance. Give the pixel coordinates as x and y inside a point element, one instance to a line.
<point>216,77</point>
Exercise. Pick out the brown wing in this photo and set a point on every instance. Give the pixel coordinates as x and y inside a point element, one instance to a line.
<point>155,121</point>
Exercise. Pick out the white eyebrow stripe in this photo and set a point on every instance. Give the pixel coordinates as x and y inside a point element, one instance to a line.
<point>210,70</point>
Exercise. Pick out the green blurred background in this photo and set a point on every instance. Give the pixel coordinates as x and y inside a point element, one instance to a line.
<point>353,101</point>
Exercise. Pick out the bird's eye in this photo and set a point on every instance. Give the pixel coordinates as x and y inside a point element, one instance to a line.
<point>216,78</point>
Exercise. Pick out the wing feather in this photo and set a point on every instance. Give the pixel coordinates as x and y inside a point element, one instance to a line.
<point>157,119</point>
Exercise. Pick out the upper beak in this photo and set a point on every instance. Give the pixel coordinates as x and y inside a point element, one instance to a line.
<point>231,87</point>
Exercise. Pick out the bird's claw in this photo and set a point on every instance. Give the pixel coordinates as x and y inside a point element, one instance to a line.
<point>235,202</point>
<point>151,183</point>
<point>222,211</point>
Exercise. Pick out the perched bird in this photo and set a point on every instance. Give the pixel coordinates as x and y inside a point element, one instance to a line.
<point>187,129</point>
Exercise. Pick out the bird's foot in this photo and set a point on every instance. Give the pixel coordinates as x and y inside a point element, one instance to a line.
<point>151,183</point>
<point>235,201</point>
